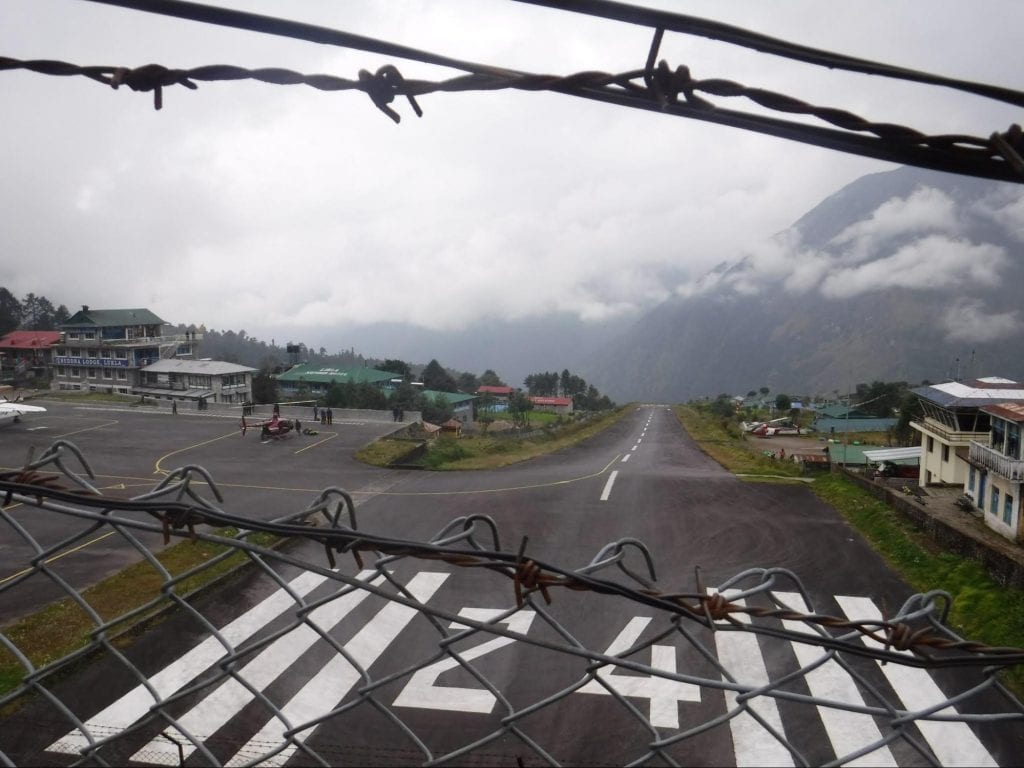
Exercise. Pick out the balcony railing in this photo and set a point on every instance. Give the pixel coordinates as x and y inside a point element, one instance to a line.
<point>178,338</point>
<point>945,433</point>
<point>996,462</point>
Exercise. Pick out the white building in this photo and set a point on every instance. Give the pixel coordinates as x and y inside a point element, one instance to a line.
<point>209,380</point>
<point>996,470</point>
<point>953,419</point>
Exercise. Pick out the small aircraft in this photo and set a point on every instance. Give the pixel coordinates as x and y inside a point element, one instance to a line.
<point>781,426</point>
<point>273,429</point>
<point>13,411</point>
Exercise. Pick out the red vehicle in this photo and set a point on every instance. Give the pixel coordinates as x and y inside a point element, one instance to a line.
<point>270,430</point>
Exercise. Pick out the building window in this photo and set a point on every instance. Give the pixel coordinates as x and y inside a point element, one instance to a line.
<point>998,434</point>
<point>1008,509</point>
<point>970,480</point>
<point>75,373</point>
<point>1013,441</point>
<point>122,375</point>
<point>931,444</point>
<point>993,506</point>
<point>945,453</point>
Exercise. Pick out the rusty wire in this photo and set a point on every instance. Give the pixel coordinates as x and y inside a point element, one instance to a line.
<point>187,510</point>
<point>653,87</point>
<point>186,499</point>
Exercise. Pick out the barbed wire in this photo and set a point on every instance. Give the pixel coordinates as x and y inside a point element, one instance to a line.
<point>182,505</point>
<point>186,509</point>
<point>655,87</point>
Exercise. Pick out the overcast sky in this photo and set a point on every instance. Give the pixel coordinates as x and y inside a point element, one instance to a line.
<point>289,212</point>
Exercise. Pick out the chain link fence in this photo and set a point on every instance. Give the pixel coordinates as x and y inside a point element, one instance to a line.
<point>331,646</point>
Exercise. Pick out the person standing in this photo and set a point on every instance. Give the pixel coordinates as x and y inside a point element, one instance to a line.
<point>330,415</point>
<point>314,412</point>
<point>174,407</point>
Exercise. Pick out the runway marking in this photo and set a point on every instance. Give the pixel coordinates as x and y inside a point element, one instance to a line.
<point>58,556</point>
<point>664,694</point>
<point>259,671</point>
<point>608,485</point>
<point>89,429</point>
<point>158,469</point>
<point>847,730</point>
<point>318,442</point>
<point>738,652</point>
<point>954,743</point>
<point>626,458</point>
<point>136,703</point>
<point>422,690</point>
<point>337,677</point>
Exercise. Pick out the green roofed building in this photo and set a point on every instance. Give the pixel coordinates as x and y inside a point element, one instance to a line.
<point>316,379</point>
<point>462,404</point>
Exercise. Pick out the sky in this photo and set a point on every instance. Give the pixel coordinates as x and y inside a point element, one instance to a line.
<point>291,213</point>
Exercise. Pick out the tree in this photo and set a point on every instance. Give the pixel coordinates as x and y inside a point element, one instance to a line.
<point>542,384</point>
<point>519,407</point>
<point>264,387</point>
<point>399,367</point>
<point>764,391</point>
<point>436,409</point>
<point>880,398</point>
<point>468,382</point>
<point>10,312</point>
<point>490,379</point>
<point>437,378</point>
<point>783,402</point>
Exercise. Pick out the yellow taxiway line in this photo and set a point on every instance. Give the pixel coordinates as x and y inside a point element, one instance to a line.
<point>56,557</point>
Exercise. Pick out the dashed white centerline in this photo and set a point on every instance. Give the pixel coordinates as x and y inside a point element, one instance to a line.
<point>608,486</point>
<point>625,458</point>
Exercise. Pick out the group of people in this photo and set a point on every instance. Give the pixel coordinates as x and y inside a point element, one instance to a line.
<point>323,415</point>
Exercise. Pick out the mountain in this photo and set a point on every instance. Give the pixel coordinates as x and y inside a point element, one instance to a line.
<point>903,275</point>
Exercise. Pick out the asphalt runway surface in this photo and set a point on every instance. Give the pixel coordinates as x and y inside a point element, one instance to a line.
<point>642,479</point>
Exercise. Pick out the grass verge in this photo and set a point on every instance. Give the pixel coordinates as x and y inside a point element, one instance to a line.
<point>487,452</point>
<point>63,626</point>
<point>982,609</point>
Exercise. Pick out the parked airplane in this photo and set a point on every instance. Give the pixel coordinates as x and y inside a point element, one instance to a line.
<point>13,411</point>
<point>783,426</point>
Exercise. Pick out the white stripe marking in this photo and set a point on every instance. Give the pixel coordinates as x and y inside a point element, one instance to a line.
<point>608,485</point>
<point>210,714</point>
<point>954,743</point>
<point>137,702</point>
<point>740,653</point>
<point>625,458</point>
<point>848,731</point>
<point>337,677</point>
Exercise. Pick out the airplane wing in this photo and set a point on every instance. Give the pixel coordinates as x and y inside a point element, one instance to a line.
<point>8,408</point>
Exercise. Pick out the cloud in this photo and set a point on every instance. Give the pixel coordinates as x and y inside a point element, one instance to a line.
<point>924,210</point>
<point>968,320</point>
<point>929,263</point>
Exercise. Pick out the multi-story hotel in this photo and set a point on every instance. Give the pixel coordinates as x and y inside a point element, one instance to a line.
<point>104,350</point>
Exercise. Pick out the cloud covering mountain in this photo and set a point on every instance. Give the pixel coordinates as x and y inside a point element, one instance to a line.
<point>897,276</point>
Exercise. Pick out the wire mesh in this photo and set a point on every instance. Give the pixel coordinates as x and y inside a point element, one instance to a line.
<point>303,657</point>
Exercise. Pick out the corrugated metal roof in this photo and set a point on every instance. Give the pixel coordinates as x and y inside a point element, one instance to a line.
<point>453,398</point>
<point>487,389</point>
<point>104,318</point>
<point>556,401</point>
<point>325,374</point>
<point>207,367</point>
<point>987,391</point>
<point>893,454</point>
<point>29,339</point>
<point>1008,411</point>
